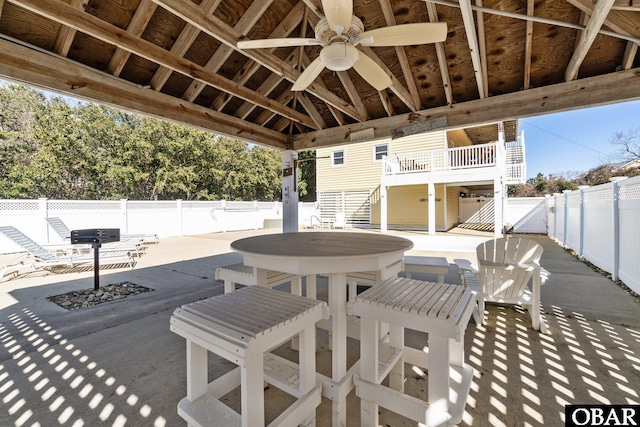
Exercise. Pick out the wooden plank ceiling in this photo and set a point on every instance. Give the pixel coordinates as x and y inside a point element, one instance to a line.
<point>178,60</point>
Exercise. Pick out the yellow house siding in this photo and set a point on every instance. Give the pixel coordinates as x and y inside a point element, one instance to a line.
<point>408,207</point>
<point>360,171</point>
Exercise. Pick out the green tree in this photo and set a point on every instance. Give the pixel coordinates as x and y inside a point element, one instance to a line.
<point>307,176</point>
<point>50,148</point>
<point>20,107</point>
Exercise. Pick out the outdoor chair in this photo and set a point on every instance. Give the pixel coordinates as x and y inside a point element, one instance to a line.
<point>126,240</point>
<point>240,274</point>
<point>243,327</point>
<point>39,257</point>
<point>506,266</point>
<point>441,311</point>
<point>136,246</point>
<point>340,221</point>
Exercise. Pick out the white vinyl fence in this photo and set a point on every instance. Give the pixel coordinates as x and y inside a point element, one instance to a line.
<point>164,218</point>
<point>602,224</point>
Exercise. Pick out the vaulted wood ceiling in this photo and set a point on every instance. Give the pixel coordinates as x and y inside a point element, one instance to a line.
<point>177,59</point>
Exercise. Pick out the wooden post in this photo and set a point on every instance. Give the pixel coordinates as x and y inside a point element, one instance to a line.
<point>289,192</point>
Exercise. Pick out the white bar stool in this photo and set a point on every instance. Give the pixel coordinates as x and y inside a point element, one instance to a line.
<point>440,310</point>
<point>242,327</point>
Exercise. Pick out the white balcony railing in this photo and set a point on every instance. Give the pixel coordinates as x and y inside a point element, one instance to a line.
<point>510,158</point>
<point>483,155</point>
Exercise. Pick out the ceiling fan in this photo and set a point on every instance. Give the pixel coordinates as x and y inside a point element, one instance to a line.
<point>339,32</point>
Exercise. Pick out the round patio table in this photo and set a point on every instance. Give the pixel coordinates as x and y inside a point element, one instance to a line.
<point>333,254</point>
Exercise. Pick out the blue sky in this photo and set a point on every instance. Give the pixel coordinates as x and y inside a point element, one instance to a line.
<point>575,141</point>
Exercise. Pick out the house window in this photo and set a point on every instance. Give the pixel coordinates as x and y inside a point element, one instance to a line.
<point>338,158</point>
<point>379,151</point>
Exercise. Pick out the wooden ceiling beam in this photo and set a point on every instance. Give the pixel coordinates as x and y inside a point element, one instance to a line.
<point>390,19</point>
<point>573,95</point>
<point>396,87</point>
<point>314,6</point>
<point>563,24</point>
<point>482,46</point>
<point>54,73</point>
<point>352,93</point>
<point>598,16</point>
<point>337,114</point>
<point>311,110</point>
<point>472,39</point>
<point>182,44</point>
<point>136,27</point>
<point>528,45</point>
<point>622,24</point>
<point>89,24</point>
<point>268,85</point>
<point>215,62</point>
<point>386,102</point>
<point>216,28</point>
<point>66,34</point>
<point>629,55</point>
<point>284,98</point>
<point>442,57</point>
<point>627,5</point>
<point>286,26</point>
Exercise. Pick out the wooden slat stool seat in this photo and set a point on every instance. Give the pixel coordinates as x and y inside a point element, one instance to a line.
<point>440,310</point>
<point>249,276</point>
<point>370,278</point>
<point>242,327</point>
<point>426,264</point>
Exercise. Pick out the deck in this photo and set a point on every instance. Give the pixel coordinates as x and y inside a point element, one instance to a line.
<point>478,164</point>
<point>106,364</point>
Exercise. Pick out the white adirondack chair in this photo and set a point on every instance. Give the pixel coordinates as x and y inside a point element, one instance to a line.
<point>505,268</point>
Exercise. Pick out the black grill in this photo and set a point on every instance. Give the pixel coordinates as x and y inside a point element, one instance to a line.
<point>95,235</point>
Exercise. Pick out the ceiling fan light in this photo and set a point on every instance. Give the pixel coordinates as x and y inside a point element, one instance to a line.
<point>339,56</point>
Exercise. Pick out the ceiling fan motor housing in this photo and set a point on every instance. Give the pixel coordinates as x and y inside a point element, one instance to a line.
<point>339,56</point>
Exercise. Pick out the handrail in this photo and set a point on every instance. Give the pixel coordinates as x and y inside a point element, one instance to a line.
<point>442,159</point>
<point>474,156</point>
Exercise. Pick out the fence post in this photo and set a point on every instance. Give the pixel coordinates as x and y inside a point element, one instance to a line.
<point>581,246</point>
<point>616,225</point>
<point>125,216</point>
<point>43,209</point>
<point>179,209</point>
<point>565,195</point>
<point>547,211</point>
<point>555,216</point>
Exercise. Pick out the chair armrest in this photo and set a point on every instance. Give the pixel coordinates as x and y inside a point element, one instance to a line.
<point>465,264</point>
<point>544,275</point>
<point>486,263</point>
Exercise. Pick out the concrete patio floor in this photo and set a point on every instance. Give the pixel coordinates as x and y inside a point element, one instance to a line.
<point>118,364</point>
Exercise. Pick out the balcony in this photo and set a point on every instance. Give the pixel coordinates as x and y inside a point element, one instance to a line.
<point>483,162</point>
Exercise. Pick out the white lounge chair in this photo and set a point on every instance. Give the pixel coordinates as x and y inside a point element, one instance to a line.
<point>505,268</point>
<point>38,257</point>
<point>135,244</point>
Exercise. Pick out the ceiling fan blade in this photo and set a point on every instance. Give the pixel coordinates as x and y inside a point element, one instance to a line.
<point>308,75</point>
<point>405,35</point>
<point>372,72</point>
<point>270,43</point>
<point>338,14</point>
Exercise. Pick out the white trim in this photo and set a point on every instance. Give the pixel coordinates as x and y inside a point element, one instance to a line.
<point>333,158</point>
<point>375,153</point>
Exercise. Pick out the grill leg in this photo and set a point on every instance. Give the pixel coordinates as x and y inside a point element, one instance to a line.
<point>96,266</point>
